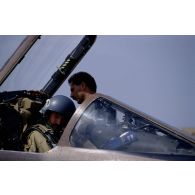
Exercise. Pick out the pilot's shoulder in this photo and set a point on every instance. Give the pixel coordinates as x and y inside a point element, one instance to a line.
<point>36,137</point>
<point>36,131</point>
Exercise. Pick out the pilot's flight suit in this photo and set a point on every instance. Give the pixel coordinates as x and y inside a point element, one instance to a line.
<point>40,138</point>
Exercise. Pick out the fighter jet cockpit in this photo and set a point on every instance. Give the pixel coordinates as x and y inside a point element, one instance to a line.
<point>32,69</point>
<point>107,125</point>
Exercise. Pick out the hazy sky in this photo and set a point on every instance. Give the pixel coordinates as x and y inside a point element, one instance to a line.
<point>154,74</point>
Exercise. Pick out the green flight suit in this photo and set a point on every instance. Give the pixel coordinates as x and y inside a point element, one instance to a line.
<point>40,138</point>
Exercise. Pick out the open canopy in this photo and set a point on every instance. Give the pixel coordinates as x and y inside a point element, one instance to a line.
<point>39,63</point>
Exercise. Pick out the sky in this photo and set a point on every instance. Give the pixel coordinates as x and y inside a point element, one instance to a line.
<point>154,74</point>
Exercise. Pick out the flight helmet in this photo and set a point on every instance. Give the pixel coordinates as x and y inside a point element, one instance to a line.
<point>59,104</point>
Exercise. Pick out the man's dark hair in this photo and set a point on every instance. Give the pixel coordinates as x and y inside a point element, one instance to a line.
<point>85,77</point>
